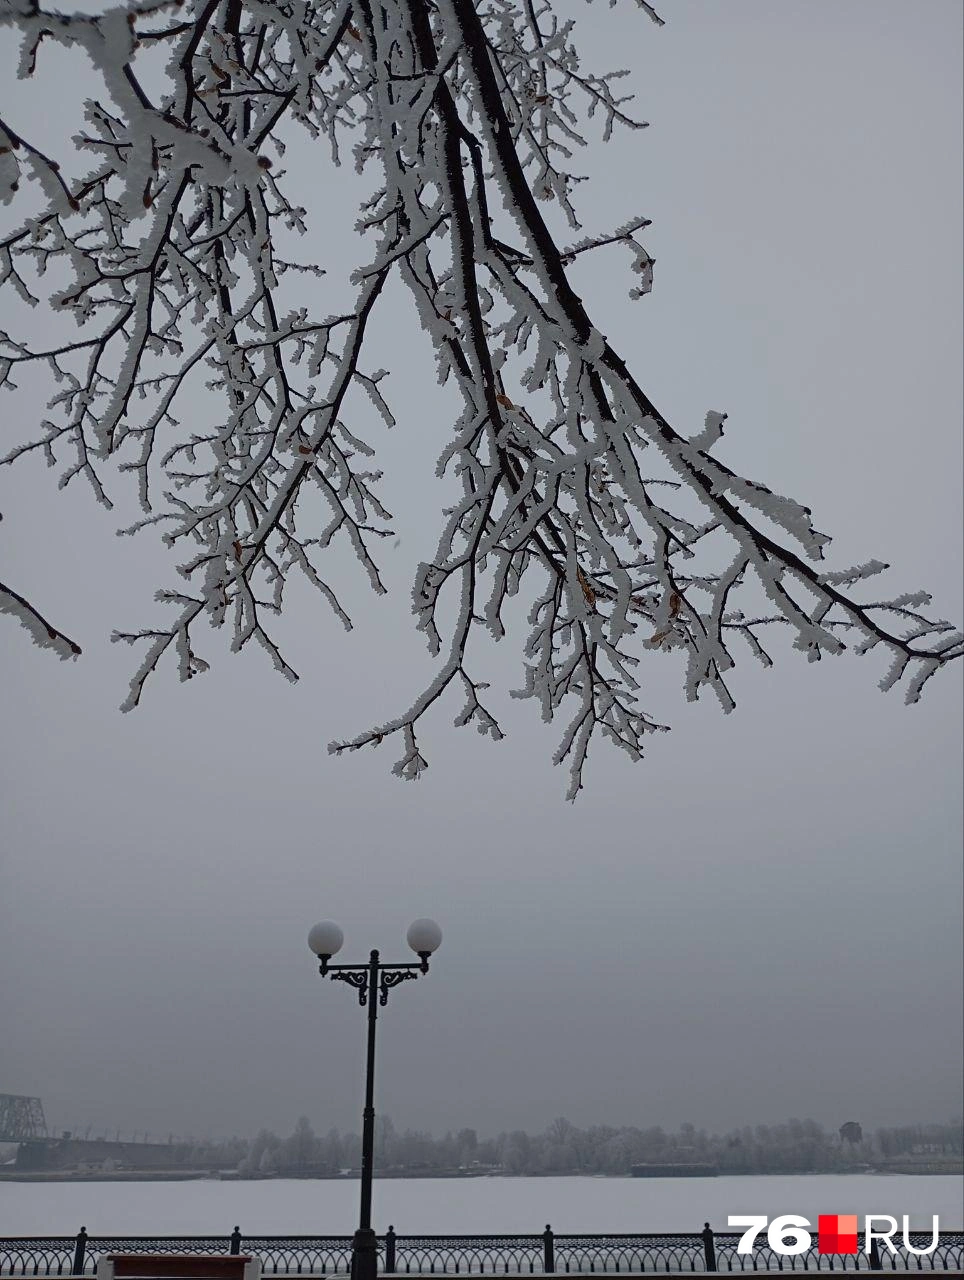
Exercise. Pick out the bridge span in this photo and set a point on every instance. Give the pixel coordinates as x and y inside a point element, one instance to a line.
<point>21,1118</point>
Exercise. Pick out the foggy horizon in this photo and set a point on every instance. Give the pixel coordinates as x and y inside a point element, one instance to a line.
<point>759,921</point>
<point>113,1133</point>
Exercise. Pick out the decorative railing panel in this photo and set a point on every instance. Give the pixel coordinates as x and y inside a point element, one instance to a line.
<point>469,1255</point>
<point>40,1256</point>
<point>490,1255</point>
<point>304,1255</point>
<point>629,1253</point>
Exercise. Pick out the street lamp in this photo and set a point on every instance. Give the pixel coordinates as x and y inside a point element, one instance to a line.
<point>371,980</point>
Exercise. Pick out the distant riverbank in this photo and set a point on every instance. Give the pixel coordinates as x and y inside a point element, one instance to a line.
<point>902,1169</point>
<point>114,1175</point>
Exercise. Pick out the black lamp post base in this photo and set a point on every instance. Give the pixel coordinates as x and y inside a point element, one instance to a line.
<point>364,1255</point>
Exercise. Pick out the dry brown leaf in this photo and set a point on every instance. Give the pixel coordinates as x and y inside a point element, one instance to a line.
<point>354,32</point>
<point>675,601</point>
<point>504,401</point>
<point>303,448</point>
<point>587,590</point>
<point>658,638</point>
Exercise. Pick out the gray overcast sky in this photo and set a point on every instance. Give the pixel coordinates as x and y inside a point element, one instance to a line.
<point>761,920</point>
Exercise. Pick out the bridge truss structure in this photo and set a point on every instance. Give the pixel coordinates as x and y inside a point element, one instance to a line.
<point>21,1118</point>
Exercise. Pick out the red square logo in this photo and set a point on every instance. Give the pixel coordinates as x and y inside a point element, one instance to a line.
<point>837,1233</point>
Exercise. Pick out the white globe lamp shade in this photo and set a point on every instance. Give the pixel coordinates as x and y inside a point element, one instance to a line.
<point>325,939</point>
<point>424,937</point>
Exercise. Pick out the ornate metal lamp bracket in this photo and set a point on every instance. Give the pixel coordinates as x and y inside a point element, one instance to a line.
<point>357,978</point>
<point>391,978</point>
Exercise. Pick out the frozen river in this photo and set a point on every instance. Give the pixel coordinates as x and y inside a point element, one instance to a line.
<point>465,1205</point>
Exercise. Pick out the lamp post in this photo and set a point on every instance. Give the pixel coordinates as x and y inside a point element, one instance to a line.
<point>373,982</point>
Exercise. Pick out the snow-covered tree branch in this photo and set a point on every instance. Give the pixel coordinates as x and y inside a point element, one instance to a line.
<point>624,536</point>
<point>42,632</point>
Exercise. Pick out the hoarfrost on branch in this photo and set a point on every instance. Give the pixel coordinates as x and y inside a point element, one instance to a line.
<point>625,537</point>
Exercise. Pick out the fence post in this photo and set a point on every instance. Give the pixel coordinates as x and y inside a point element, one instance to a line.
<point>390,1250</point>
<point>548,1250</point>
<point>235,1241</point>
<point>875,1263</point>
<point>80,1253</point>
<point>709,1248</point>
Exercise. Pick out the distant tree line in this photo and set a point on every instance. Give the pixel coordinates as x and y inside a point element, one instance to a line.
<point>797,1146</point>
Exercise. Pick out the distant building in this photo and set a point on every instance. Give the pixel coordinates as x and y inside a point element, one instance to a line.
<point>64,1153</point>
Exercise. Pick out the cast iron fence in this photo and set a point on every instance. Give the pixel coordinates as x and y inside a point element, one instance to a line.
<point>545,1253</point>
